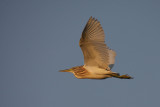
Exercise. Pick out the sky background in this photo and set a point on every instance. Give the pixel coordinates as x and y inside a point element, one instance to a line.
<point>40,37</point>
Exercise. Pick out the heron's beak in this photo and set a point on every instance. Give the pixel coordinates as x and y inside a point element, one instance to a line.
<point>66,70</point>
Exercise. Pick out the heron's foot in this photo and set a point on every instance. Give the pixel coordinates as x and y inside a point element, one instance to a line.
<point>125,77</point>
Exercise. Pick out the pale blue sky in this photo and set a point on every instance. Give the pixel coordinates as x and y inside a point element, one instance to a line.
<point>40,37</point>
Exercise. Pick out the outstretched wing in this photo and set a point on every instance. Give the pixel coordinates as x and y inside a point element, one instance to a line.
<point>92,43</point>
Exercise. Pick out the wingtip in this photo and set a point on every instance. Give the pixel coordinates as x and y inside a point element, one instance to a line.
<point>91,18</point>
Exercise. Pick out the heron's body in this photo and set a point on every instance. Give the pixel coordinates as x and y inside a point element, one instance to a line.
<point>98,58</point>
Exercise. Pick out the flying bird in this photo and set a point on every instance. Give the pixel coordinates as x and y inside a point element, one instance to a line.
<point>99,59</point>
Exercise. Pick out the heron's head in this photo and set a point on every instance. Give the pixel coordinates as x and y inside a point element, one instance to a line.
<point>78,71</point>
<point>74,70</point>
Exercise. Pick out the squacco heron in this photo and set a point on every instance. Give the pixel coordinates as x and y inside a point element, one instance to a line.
<point>98,57</point>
